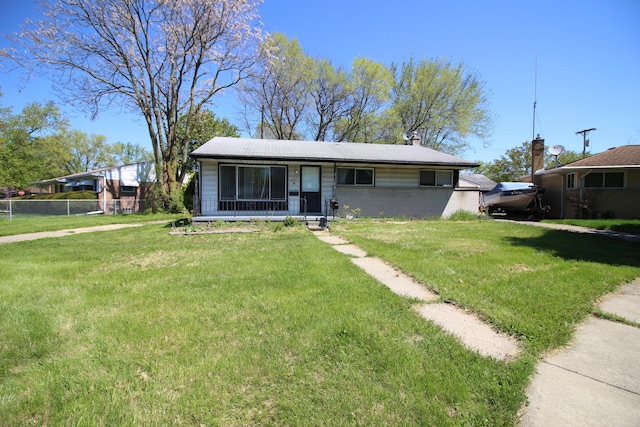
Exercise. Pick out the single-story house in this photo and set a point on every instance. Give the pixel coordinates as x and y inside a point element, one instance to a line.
<point>606,184</point>
<point>120,189</point>
<point>242,177</point>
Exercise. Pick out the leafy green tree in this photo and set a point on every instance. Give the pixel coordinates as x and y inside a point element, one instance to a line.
<point>30,146</point>
<point>516,163</point>
<point>161,59</point>
<point>567,156</point>
<point>443,102</point>
<point>204,127</point>
<point>279,95</point>
<point>296,96</point>
<point>128,153</point>
<point>86,152</point>
<point>511,166</point>
<point>368,91</point>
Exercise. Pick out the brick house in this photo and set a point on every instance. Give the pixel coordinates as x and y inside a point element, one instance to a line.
<point>242,177</point>
<point>604,184</point>
<point>119,189</point>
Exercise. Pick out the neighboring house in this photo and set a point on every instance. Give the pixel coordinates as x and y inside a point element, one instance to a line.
<point>606,184</point>
<point>476,181</point>
<point>120,189</point>
<point>255,177</point>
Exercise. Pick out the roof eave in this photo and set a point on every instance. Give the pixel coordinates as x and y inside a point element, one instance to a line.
<point>335,160</point>
<point>601,167</point>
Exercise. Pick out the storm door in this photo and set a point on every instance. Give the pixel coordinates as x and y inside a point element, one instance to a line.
<point>310,185</point>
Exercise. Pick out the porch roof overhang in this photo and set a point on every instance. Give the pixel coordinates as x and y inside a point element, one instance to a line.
<point>67,179</point>
<point>320,151</point>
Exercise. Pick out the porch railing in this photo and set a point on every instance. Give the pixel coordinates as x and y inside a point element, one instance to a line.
<point>241,207</point>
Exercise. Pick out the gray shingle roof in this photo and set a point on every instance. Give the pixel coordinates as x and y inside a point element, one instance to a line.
<point>319,151</point>
<point>623,156</point>
<point>476,179</point>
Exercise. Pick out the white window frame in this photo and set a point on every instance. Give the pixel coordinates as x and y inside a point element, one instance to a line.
<point>571,181</point>
<point>437,173</point>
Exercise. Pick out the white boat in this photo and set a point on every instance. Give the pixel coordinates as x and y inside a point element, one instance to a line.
<point>509,197</point>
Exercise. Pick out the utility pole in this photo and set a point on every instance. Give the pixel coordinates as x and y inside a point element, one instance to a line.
<point>585,141</point>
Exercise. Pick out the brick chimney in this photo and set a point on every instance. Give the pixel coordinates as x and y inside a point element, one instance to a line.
<point>415,139</point>
<point>537,155</point>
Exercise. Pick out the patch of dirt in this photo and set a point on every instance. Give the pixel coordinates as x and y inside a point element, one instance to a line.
<point>214,230</point>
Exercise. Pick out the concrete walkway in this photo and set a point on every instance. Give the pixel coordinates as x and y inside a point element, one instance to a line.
<point>578,229</point>
<point>594,382</point>
<point>467,327</point>
<point>61,233</point>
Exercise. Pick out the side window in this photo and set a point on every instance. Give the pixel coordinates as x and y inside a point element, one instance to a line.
<point>436,178</point>
<point>354,176</point>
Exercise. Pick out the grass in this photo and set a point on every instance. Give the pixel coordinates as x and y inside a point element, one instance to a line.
<point>532,283</point>
<point>620,225</point>
<point>139,327</point>
<point>36,223</point>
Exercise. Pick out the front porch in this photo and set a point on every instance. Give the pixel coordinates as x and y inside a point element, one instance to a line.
<point>211,210</point>
<point>254,217</point>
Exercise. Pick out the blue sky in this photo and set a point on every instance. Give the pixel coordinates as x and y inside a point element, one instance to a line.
<point>587,54</point>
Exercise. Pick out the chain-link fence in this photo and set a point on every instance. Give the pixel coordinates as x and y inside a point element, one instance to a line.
<point>12,208</point>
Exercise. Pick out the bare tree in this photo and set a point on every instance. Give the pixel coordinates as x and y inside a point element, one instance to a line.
<point>161,59</point>
<point>279,94</point>
<point>330,99</point>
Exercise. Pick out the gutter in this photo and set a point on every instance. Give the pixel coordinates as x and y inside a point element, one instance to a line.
<point>337,160</point>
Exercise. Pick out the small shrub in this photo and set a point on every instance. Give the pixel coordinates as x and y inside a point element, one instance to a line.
<point>462,215</point>
<point>69,195</point>
<point>290,221</point>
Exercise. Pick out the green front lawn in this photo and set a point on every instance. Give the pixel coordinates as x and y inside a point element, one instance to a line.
<point>620,225</point>
<point>35,223</point>
<point>139,327</point>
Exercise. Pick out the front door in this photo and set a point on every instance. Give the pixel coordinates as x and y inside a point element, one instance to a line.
<point>310,189</point>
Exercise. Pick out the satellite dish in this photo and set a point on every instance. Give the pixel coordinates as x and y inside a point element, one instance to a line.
<point>407,136</point>
<point>556,150</point>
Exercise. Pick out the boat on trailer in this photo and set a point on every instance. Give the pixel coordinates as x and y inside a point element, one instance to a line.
<point>508,199</point>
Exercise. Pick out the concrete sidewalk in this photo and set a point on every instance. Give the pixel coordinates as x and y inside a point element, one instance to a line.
<point>578,229</point>
<point>596,381</point>
<point>61,233</point>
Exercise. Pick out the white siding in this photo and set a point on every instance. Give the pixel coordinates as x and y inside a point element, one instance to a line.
<point>396,191</point>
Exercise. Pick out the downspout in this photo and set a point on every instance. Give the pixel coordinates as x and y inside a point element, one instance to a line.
<point>104,194</point>
<point>562,186</point>
<point>197,204</point>
<point>335,175</point>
